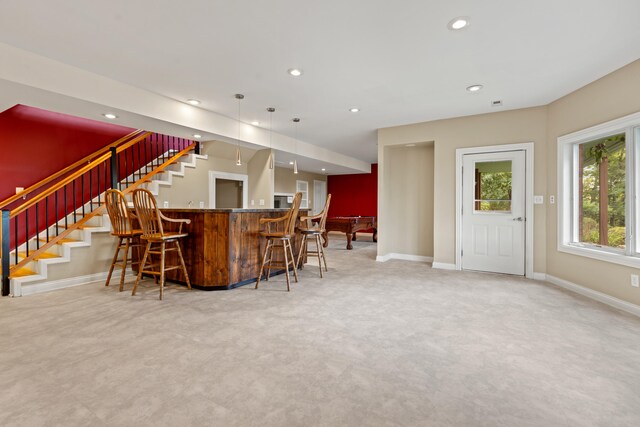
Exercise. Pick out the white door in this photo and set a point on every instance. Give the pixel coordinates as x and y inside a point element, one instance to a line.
<point>319,195</point>
<point>493,212</point>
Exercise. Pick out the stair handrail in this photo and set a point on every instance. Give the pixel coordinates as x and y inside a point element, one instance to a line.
<point>72,227</point>
<point>137,135</point>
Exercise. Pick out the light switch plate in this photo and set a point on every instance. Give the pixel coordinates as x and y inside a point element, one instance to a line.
<point>538,200</point>
<point>261,202</point>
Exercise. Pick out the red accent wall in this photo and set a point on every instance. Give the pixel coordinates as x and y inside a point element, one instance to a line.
<point>35,143</point>
<point>353,195</point>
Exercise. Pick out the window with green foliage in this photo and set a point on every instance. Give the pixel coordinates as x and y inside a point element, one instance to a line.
<point>602,191</point>
<point>599,186</point>
<point>493,186</point>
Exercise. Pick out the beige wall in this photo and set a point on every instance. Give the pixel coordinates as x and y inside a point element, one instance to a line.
<point>285,182</point>
<point>194,186</point>
<point>261,180</point>
<point>508,127</point>
<point>615,95</point>
<point>409,172</point>
<point>228,193</point>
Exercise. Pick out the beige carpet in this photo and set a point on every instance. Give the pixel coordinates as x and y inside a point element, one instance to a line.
<point>380,344</point>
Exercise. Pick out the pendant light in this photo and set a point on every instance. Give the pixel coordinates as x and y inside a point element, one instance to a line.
<point>296,120</point>
<point>271,156</point>
<point>239,97</point>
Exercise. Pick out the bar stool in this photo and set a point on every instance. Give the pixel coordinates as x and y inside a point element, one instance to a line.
<point>284,237</point>
<point>314,231</point>
<point>151,220</point>
<point>122,228</point>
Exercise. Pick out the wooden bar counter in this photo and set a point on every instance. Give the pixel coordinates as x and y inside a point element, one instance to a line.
<point>224,247</point>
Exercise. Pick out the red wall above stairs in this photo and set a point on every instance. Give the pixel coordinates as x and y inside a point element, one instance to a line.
<point>36,143</point>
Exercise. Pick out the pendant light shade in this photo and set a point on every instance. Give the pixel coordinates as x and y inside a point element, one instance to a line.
<point>239,97</point>
<point>295,166</point>
<point>271,156</point>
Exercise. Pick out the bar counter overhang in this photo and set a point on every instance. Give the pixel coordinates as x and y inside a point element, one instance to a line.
<point>224,247</point>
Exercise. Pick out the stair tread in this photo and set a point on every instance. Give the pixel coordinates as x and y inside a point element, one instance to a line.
<point>22,272</point>
<point>64,240</point>
<point>82,227</point>
<point>44,255</point>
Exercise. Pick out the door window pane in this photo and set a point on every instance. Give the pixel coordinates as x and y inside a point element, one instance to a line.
<point>493,186</point>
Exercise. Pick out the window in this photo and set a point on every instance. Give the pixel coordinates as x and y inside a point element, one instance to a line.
<point>598,185</point>
<point>493,186</point>
<point>303,187</point>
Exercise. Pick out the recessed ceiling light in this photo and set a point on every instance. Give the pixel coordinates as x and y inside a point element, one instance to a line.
<point>474,88</point>
<point>290,163</point>
<point>323,169</point>
<point>354,109</point>
<point>295,72</point>
<point>255,123</point>
<point>193,101</point>
<point>110,116</point>
<point>197,136</point>
<point>458,23</point>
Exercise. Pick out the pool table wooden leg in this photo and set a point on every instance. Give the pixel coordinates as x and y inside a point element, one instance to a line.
<point>325,236</point>
<point>349,237</point>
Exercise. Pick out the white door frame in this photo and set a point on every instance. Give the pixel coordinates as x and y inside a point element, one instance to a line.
<point>213,175</point>
<point>527,147</point>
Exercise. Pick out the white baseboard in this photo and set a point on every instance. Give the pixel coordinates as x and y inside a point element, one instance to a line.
<point>18,289</point>
<point>539,276</point>
<point>404,257</point>
<point>595,295</point>
<point>444,266</point>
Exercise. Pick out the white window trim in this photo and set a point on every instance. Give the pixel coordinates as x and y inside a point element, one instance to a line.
<point>566,187</point>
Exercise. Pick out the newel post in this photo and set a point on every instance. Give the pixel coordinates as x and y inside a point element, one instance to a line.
<point>114,169</point>
<point>5,253</point>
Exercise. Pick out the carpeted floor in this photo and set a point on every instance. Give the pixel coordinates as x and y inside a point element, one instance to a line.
<point>371,344</point>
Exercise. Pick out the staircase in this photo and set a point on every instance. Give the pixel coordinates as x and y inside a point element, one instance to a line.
<point>70,250</point>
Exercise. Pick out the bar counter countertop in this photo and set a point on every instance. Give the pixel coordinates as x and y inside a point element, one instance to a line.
<point>224,247</point>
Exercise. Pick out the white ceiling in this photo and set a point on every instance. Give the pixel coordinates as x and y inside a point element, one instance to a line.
<point>395,60</point>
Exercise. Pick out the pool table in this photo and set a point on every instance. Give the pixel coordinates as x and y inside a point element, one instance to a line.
<point>350,225</point>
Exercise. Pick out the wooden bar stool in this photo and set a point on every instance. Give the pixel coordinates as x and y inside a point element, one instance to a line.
<point>284,238</point>
<point>151,220</point>
<point>122,228</point>
<point>314,231</point>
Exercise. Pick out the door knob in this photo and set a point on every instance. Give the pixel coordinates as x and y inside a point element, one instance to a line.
<point>518,219</point>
